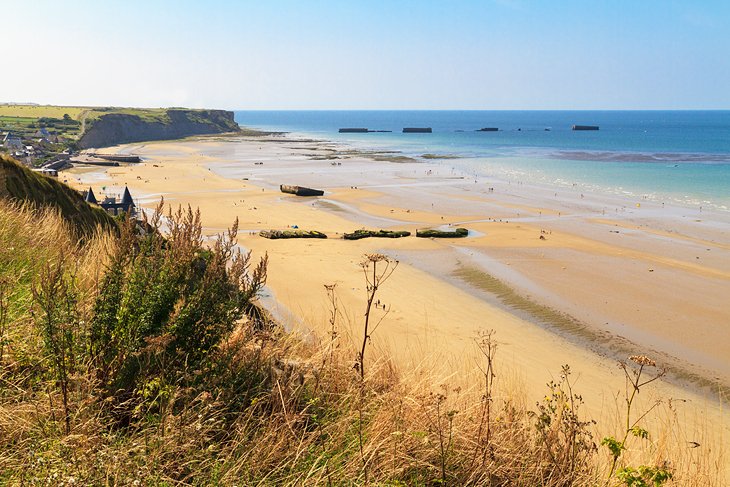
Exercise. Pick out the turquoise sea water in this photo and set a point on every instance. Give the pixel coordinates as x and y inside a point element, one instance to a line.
<point>675,156</point>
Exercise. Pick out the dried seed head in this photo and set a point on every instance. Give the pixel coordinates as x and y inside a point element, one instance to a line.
<point>372,259</point>
<point>642,360</point>
<point>375,257</point>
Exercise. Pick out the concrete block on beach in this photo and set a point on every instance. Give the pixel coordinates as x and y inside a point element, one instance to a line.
<point>431,233</point>
<point>359,234</point>
<point>285,234</point>
<point>300,190</point>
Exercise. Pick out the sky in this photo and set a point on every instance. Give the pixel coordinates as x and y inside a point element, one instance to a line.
<point>368,54</point>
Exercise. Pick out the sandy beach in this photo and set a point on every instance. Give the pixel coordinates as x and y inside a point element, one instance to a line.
<point>560,277</point>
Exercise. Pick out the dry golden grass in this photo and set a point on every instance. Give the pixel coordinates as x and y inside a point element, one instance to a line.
<point>271,409</point>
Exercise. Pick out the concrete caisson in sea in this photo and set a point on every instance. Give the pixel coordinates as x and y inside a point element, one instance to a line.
<point>360,130</point>
<point>417,130</point>
<point>585,127</point>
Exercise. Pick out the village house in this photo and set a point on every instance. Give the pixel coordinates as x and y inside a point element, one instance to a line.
<point>110,203</point>
<point>12,142</point>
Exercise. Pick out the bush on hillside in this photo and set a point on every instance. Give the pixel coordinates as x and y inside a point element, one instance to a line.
<point>20,184</point>
<point>166,303</point>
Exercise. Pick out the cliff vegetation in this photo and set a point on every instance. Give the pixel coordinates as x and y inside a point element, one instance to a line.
<point>137,358</point>
<point>117,126</point>
<point>43,133</point>
<point>20,184</point>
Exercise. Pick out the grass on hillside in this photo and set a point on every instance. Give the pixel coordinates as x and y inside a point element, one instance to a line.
<point>31,113</point>
<point>27,128</point>
<point>146,114</point>
<point>34,112</point>
<point>20,184</point>
<point>26,120</point>
<point>13,122</point>
<point>39,111</point>
<point>127,361</point>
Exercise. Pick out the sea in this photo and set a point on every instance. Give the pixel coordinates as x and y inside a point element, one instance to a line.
<point>677,157</point>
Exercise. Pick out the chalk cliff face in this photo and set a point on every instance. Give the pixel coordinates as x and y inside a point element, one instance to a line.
<point>120,128</point>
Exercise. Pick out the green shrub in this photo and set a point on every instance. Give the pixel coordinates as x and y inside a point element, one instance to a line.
<point>54,295</point>
<point>166,303</point>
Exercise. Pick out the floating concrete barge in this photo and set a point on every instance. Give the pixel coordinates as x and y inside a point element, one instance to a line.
<point>417,130</point>
<point>585,127</point>
<point>488,129</point>
<point>360,130</point>
<point>300,190</point>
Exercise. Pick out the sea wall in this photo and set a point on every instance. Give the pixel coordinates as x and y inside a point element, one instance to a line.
<point>120,128</point>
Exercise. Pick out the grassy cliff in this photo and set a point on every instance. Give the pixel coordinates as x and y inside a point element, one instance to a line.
<point>118,126</point>
<point>20,184</point>
<point>86,127</point>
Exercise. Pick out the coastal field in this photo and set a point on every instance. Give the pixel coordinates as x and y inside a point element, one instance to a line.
<point>38,111</point>
<point>67,121</point>
<point>561,278</point>
<point>76,113</point>
<point>26,119</point>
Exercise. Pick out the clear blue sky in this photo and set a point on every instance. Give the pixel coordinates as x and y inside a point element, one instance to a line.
<point>369,54</point>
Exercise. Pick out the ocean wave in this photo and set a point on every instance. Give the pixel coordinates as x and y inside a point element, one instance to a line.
<point>656,157</point>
